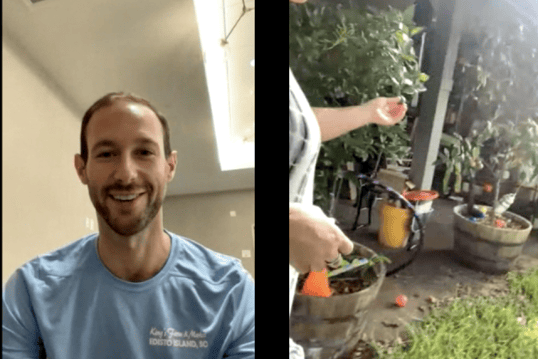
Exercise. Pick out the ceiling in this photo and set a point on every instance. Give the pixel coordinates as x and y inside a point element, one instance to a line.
<point>152,49</point>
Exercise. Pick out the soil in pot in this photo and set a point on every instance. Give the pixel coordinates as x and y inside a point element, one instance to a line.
<point>353,282</point>
<point>505,221</point>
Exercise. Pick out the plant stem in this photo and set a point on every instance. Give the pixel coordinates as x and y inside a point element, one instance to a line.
<point>496,200</point>
<point>377,164</point>
<point>470,200</point>
<point>497,189</point>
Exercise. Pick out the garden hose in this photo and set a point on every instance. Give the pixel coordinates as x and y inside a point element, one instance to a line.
<point>414,245</point>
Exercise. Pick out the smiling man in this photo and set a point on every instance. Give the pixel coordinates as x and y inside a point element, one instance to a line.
<point>126,171</point>
<point>134,289</point>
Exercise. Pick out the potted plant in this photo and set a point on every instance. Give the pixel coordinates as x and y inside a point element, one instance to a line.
<point>492,84</point>
<point>489,237</point>
<point>330,327</point>
<point>346,58</point>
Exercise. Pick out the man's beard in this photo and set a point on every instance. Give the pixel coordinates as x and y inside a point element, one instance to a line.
<point>136,224</point>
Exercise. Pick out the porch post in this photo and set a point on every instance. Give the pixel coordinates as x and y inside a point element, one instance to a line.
<point>442,55</point>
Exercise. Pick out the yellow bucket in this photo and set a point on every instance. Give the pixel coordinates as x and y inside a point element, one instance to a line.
<point>394,225</point>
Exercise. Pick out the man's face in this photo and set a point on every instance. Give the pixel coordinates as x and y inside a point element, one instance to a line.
<point>125,160</point>
<point>299,1</point>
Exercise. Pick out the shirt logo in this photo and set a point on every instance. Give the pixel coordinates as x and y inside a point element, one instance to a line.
<point>173,338</point>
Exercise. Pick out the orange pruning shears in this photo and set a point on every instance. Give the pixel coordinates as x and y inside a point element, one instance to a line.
<point>317,283</point>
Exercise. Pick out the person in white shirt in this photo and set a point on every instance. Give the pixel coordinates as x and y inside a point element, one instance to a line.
<point>314,239</point>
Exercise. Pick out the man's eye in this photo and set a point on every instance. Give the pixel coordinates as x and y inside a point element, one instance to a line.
<point>145,152</point>
<point>104,154</point>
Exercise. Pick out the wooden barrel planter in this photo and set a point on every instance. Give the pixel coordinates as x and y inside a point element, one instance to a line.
<point>488,249</point>
<point>331,327</point>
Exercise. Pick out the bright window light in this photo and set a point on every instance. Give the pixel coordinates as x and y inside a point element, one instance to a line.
<point>233,154</point>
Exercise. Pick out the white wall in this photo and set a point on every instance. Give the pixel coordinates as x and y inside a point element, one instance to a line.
<point>206,219</point>
<point>44,204</point>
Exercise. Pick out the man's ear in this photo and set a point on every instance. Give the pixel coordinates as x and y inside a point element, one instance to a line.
<point>80,166</point>
<point>171,161</point>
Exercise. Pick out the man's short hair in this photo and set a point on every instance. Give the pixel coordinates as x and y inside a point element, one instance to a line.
<point>108,100</point>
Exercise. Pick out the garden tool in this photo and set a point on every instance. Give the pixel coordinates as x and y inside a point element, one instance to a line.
<point>346,266</point>
<point>317,283</point>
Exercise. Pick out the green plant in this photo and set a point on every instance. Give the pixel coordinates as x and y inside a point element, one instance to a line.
<point>358,278</point>
<point>525,284</point>
<point>496,93</point>
<point>461,157</point>
<point>372,261</point>
<point>512,146</point>
<point>346,58</point>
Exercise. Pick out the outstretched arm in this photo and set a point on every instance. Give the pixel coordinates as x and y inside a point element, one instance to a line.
<point>335,122</point>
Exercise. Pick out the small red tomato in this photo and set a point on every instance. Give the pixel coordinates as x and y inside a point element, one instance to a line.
<point>401,300</point>
<point>500,223</point>
<point>488,187</point>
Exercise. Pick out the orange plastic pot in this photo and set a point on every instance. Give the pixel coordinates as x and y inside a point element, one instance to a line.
<point>420,195</point>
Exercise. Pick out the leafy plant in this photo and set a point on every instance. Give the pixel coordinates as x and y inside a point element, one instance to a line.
<point>461,157</point>
<point>346,58</point>
<point>363,270</point>
<point>496,85</point>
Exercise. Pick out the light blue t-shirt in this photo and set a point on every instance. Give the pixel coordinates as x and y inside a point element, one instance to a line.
<point>200,305</point>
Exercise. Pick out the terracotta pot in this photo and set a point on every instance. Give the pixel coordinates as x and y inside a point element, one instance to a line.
<point>486,248</point>
<point>331,327</point>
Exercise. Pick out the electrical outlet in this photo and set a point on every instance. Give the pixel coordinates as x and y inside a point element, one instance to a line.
<point>232,214</point>
<point>246,253</point>
<point>89,223</point>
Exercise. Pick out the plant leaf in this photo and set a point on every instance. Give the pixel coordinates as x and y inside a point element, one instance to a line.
<point>408,14</point>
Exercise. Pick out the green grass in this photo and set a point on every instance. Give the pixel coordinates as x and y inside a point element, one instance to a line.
<point>476,328</point>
